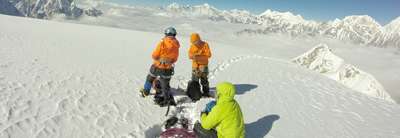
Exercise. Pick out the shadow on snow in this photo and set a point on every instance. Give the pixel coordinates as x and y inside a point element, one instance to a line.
<point>240,88</point>
<point>261,127</point>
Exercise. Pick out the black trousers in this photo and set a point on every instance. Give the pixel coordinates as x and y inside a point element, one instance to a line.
<point>201,74</point>
<point>203,133</point>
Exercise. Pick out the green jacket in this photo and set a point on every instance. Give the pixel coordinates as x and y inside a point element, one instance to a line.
<point>226,115</point>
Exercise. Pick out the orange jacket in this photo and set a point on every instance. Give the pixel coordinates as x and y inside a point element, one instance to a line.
<point>199,51</point>
<point>167,50</point>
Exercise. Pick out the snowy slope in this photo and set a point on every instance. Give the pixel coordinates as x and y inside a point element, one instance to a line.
<point>69,85</point>
<point>322,60</point>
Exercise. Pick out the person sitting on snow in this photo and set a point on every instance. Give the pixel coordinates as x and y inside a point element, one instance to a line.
<point>224,115</point>
<point>164,56</point>
<point>199,53</point>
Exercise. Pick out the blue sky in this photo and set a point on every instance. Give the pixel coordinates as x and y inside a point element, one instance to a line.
<point>321,10</point>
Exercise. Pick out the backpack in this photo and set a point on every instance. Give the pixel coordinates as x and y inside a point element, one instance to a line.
<point>193,90</point>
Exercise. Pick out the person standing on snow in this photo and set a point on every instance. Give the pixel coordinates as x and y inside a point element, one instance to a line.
<point>164,56</point>
<point>224,115</point>
<point>199,53</point>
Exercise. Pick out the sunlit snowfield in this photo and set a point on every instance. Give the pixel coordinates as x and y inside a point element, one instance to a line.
<point>382,63</point>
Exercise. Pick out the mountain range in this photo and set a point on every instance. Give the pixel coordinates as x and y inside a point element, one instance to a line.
<point>359,29</point>
<point>45,9</point>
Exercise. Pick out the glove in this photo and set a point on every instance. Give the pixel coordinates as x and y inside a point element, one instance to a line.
<point>209,106</point>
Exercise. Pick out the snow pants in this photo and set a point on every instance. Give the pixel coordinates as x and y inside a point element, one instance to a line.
<point>202,75</point>
<point>164,77</point>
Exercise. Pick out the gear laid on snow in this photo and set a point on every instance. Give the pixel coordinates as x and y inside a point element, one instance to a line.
<point>171,122</point>
<point>178,125</point>
<point>177,133</point>
<point>193,90</point>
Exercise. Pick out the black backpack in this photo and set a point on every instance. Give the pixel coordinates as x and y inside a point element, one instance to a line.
<point>193,90</point>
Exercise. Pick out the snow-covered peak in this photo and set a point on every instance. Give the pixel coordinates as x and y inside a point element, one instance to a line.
<point>269,12</point>
<point>393,26</point>
<point>206,6</point>
<point>358,29</point>
<point>240,12</point>
<point>322,60</point>
<point>7,8</point>
<point>361,20</point>
<point>395,22</point>
<point>174,6</point>
<point>287,16</point>
<point>389,36</point>
<point>202,10</point>
<point>48,8</point>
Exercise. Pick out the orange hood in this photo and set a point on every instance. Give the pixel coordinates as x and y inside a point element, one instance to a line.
<point>194,37</point>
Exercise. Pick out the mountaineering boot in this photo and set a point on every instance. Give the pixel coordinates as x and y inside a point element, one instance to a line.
<point>146,90</point>
<point>203,133</point>
<point>171,122</point>
<point>144,93</point>
<point>184,123</point>
<point>158,99</point>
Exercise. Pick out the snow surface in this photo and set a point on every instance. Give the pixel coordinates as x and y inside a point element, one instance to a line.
<point>70,80</point>
<point>383,64</point>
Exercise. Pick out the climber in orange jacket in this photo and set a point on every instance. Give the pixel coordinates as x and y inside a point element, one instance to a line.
<point>200,53</point>
<point>164,57</point>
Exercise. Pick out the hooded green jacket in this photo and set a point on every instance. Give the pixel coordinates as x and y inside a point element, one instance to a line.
<point>226,115</point>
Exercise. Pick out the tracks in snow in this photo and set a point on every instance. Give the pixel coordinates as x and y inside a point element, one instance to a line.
<point>42,102</point>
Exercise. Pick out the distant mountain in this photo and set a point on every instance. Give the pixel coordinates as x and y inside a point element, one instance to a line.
<point>389,36</point>
<point>203,10</point>
<point>361,29</point>
<point>47,8</point>
<point>322,60</point>
<point>358,29</point>
<point>7,8</point>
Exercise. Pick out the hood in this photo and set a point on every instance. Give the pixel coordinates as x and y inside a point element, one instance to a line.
<point>225,92</point>
<point>194,37</point>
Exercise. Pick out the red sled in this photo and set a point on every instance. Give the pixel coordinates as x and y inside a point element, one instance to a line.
<point>177,133</point>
